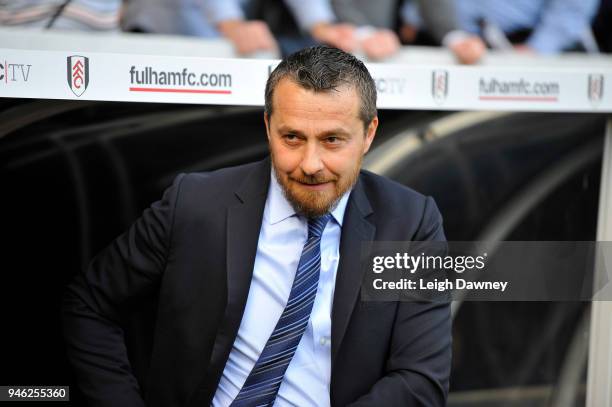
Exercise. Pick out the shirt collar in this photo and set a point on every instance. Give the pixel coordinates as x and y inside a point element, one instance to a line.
<point>338,212</point>
<point>279,209</point>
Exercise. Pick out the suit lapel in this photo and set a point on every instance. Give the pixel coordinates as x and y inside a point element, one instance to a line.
<point>355,230</point>
<point>243,226</point>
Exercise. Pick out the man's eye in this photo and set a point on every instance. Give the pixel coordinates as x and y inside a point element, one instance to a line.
<point>332,139</point>
<point>290,137</point>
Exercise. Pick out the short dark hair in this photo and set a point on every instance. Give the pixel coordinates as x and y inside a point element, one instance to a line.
<point>322,68</point>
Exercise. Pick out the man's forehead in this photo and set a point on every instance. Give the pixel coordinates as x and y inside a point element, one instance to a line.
<point>290,96</point>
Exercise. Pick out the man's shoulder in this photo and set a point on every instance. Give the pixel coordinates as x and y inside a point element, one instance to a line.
<point>401,212</point>
<point>224,175</point>
<point>219,185</point>
<point>391,196</point>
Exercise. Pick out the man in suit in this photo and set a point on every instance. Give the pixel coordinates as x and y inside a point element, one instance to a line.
<point>257,271</point>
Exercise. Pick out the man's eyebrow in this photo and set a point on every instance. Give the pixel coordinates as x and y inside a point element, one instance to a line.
<point>289,130</point>
<point>339,131</point>
<point>336,131</point>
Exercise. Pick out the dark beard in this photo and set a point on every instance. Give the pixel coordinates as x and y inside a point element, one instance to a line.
<point>311,205</point>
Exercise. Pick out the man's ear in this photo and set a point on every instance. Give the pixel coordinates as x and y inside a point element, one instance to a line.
<point>267,122</point>
<point>370,134</point>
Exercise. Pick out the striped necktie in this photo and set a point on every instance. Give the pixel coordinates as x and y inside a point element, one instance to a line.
<point>263,382</point>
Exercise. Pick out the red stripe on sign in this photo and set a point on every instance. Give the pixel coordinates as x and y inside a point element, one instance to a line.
<point>5,72</point>
<point>168,90</point>
<point>521,98</point>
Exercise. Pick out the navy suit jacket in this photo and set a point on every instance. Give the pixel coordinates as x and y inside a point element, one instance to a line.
<point>194,251</point>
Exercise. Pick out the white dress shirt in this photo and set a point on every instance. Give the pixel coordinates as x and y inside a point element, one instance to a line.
<point>281,239</point>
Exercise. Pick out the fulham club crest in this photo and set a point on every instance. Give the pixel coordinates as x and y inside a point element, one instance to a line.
<point>439,86</point>
<point>78,74</point>
<point>596,88</point>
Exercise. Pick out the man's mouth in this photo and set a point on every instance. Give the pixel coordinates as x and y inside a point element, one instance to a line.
<point>315,187</point>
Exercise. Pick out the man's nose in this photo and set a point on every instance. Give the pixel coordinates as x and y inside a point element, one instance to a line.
<point>311,161</point>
